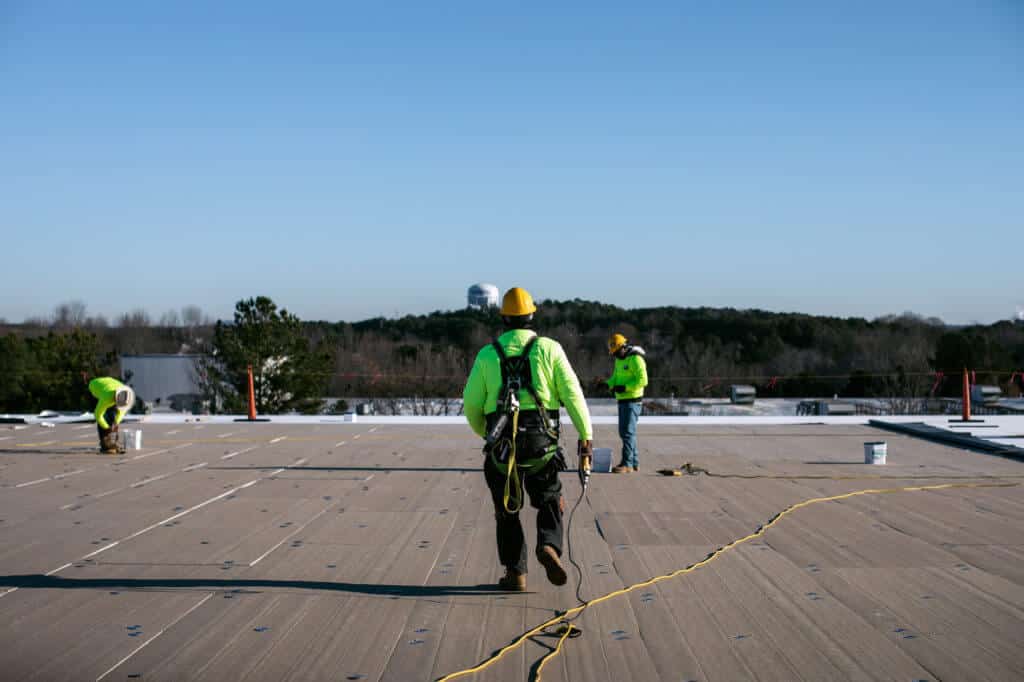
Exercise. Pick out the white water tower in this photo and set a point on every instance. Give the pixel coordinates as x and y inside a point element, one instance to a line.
<point>482,296</point>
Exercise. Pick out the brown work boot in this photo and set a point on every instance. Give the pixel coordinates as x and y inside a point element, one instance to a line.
<point>109,446</point>
<point>622,469</point>
<point>548,558</point>
<point>512,581</point>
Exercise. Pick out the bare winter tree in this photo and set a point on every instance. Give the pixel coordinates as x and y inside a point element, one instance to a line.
<point>170,319</point>
<point>69,314</point>
<point>192,316</point>
<point>136,319</point>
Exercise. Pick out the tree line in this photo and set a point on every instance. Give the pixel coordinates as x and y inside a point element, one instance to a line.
<point>695,352</point>
<point>692,352</point>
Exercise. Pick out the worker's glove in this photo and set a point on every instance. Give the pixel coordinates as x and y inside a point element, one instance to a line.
<point>618,389</point>
<point>585,450</point>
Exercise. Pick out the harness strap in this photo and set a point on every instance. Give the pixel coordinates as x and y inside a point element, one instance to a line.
<point>513,484</point>
<point>527,385</point>
<point>513,492</point>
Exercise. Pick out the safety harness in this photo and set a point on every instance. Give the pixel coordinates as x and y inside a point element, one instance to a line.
<point>501,441</point>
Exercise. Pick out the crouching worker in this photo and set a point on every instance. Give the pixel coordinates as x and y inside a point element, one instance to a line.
<point>512,399</point>
<point>114,400</point>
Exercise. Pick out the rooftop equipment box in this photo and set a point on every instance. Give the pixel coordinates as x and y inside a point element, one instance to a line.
<point>741,394</point>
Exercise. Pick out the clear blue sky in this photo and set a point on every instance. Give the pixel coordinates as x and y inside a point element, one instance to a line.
<point>356,159</point>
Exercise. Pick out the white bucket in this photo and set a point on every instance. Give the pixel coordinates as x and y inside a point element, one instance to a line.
<point>131,440</point>
<point>602,461</point>
<point>874,452</point>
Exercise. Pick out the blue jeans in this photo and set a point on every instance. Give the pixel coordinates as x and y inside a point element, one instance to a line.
<point>629,413</point>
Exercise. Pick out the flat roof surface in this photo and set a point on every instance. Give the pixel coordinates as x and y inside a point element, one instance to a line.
<point>366,551</point>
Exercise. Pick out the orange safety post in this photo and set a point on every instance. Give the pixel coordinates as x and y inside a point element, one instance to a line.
<point>966,415</point>
<point>252,395</point>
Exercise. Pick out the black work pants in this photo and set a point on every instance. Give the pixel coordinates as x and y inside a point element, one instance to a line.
<point>111,418</point>
<point>545,491</point>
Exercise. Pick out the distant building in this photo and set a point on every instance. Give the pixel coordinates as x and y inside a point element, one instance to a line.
<point>164,380</point>
<point>481,296</point>
<point>742,394</point>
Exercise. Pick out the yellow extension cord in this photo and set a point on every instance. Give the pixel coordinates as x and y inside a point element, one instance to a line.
<point>689,569</point>
<point>690,469</point>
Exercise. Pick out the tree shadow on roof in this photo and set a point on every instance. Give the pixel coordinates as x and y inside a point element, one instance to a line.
<point>366,468</point>
<point>52,582</point>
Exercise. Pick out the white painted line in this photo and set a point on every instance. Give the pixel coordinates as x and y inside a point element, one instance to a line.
<point>36,445</point>
<point>239,452</point>
<point>372,430</point>
<point>145,481</point>
<point>15,589</point>
<point>83,428</point>
<point>356,437</point>
<point>339,444</point>
<point>293,464</point>
<point>278,439</point>
<point>7,438</point>
<point>109,492</point>
<point>160,452</point>
<point>38,480</point>
<point>150,640</point>
<point>112,545</point>
<point>263,556</point>
<point>225,435</point>
<point>171,433</point>
<point>56,477</point>
<point>188,511</point>
<point>172,518</point>
<point>139,484</point>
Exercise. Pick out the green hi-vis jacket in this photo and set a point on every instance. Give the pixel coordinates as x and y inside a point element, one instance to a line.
<point>105,389</point>
<point>631,372</point>
<point>553,379</point>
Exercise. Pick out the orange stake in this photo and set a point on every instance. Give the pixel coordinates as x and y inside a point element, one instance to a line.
<point>252,395</point>
<point>967,398</point>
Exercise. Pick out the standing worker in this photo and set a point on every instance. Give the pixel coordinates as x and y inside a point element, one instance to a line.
<point>114,400</point>
<point>627,385</point>
<point>511,400</point>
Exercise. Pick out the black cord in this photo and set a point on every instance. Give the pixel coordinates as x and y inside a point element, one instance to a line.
<point>572,560</point>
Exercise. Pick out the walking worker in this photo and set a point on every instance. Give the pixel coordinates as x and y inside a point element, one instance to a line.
<point>627,385</point>
<point>114,400</point>
<point>511,400</point>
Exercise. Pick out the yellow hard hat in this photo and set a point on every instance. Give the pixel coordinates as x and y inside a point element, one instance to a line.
<point>615,342</point>
<point>517,302</point>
